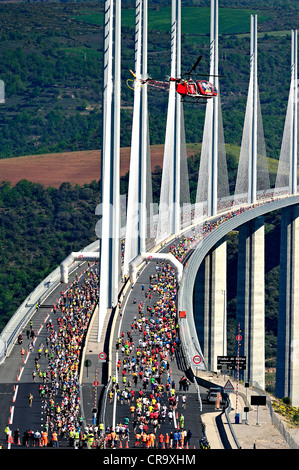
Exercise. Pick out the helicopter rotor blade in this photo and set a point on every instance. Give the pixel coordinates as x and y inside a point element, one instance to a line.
<point>195,65</point>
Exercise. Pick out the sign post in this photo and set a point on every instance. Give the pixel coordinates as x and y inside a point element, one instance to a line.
<point>258,400</point>
<point>87,364</point>
<point>238,338</point>
<point>96,384</point>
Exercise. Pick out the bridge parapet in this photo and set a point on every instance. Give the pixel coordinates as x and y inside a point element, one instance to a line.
<point>189,337</point>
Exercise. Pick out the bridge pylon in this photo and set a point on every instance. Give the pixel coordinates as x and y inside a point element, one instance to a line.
<point>175,182</point>
<point>287,179</point>
<point>109,230</point>
<point>140,185</point>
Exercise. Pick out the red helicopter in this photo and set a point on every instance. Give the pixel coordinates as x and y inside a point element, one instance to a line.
<point>198,90</point>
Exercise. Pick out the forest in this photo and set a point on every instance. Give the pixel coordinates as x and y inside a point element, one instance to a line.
<point>51,63</point>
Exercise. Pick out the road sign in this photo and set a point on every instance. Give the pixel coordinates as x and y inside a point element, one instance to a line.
<point>231,362</point>
<point>102,356</point>
<point>228,387</point>
<point>258,400</point>
<point>87,364</point>
<point>96,383</point>
<point>197,360</point>
<point>238,337</point>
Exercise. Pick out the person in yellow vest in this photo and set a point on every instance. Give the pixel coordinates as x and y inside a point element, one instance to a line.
<point>77,439</point>
<point>7,432</point>
<point>71,438</point>
<point>84,439</point>
<point>90,440</point>
<point>101,429</point>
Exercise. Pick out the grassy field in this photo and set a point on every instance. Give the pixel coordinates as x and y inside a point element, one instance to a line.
<point>195,20</point>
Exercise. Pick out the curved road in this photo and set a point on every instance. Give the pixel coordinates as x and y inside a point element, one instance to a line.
<point>16,382</point>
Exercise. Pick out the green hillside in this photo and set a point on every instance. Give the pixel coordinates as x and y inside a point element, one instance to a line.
<point>51,62</point>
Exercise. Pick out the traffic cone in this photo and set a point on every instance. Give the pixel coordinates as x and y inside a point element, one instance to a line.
<point>127,444</point>
<point>120,444</point>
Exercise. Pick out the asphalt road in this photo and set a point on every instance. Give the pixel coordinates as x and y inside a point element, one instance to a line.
<point>117,410</point>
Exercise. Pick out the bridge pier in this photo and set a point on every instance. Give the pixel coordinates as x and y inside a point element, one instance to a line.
<point>210,304</point>
<point>251,300</point>
<point>287,367</point>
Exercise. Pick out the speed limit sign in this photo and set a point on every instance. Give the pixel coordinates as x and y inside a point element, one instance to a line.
<point>197,360</point>
<point>102,356</point>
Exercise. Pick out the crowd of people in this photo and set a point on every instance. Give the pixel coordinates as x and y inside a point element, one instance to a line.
<point>57,364</point>
<point>143,382</point>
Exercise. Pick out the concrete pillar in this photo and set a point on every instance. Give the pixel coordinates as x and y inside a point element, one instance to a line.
<point>109,209</point>
<point>252,164</point>
<point>210,305</point>
<point>251,300</point>
<point>294,118</point>
<point>213,156</point>
<point>287,368</point>
<point>139,176</point>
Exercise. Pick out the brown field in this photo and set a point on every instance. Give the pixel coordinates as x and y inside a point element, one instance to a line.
<point>72,167</point>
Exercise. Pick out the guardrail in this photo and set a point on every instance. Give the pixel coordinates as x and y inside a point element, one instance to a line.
<point>227,412</point>
<point>185,300</point>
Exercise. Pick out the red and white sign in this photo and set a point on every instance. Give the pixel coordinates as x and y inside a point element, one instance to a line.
<point>228,387</point>
<point>238,337</point>
<point>96,383</point>
<point>102,356</point>
<point>197,360</point>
